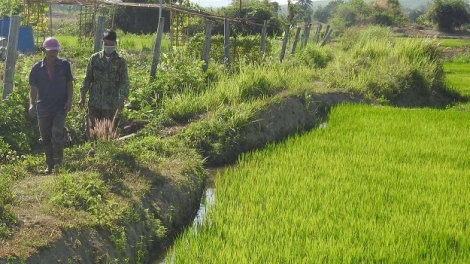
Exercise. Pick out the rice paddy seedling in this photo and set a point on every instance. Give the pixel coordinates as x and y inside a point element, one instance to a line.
<point>453,42</point>
<point>458,76</point>
<point>376,184</point>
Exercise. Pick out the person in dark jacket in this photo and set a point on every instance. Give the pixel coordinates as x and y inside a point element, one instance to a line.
<point>50,99</point>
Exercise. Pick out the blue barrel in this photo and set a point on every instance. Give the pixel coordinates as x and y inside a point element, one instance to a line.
<point>4,27</point>
<point>25,36</point>
<point>26,40</point>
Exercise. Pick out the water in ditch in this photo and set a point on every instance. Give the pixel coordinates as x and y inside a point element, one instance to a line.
<point>207,200</point>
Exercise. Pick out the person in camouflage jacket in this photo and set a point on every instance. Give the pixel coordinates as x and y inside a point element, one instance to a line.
<point>107,83</point>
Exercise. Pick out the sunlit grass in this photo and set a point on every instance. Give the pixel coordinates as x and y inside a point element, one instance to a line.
<point>376,185</point>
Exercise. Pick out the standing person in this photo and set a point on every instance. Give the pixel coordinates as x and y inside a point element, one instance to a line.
<point>50,97</point>
<point>107,83</point>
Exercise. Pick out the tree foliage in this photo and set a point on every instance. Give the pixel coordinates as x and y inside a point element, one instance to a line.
<point>387,13</point>
<point>32,14</point>
<point>352,13</point>
<point>8,7</point>
<point>342,15</point>
<point>292,12</point>
<point>254,11</point>
<point>306,8</point>
<point>448,14</point>
<point>322,14</point>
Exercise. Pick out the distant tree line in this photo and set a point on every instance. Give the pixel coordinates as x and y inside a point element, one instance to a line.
<point>445,15</point>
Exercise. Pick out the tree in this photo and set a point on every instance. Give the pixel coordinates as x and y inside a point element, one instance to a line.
<point>8,7</point>
<point>415,13</point>
<point>306,10</point>
<point>448,14</point>
<point>292,11</point>
<point>322,14</point>
<point>387,12</point>
<point>253,11</point>
<point>352,13</point>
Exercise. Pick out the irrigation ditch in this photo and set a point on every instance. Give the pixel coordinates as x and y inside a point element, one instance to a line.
<point>277,121</point>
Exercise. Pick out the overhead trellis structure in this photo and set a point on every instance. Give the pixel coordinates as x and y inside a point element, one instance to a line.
<point>170,7</point>
<point>89,10</point>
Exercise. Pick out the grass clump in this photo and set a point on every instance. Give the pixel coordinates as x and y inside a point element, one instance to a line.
<point>390,70</point>
<point>7,219</point>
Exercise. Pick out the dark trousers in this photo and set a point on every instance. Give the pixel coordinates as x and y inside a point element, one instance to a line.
<point>53,138</point>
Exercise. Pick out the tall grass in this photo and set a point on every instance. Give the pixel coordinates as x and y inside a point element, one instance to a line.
<point>381,67</point>
<point>376,185</point>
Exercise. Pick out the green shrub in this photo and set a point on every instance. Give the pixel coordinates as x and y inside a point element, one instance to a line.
<point>7,219</point>
<point>448,14</point>
<point>16,128</point>
<point>314,56</point>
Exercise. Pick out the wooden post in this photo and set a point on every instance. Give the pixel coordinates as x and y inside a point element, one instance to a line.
<point>307,34</point>
<point>317,32</point>
<point>302,42</point>
<point>263,40</point>
<point>326,32</point>
<point>328,35</point>
<point>114,14</point>
<point>50,19</point>
<point>296,39</point>
<point>207,45</point>
<point>10,62</point>
<point>157,47</point>
<point>227,43</point>
<point>284,42</point>
<point>99,34</point>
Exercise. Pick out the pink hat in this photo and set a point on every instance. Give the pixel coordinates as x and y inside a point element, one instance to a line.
<point>51,44</point>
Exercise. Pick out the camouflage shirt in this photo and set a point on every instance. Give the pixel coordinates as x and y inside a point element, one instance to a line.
<point>105,80</point>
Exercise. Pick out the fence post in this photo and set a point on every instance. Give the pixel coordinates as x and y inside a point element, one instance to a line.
<point>157,47</point>
<point>227,43</point>
<point>326,32</point>
<point>207,45</point>
<point>317,32</point>
<point>327,36</point>
<point>304,36</point>
<point>99,34</point>
<point>10,62</point>
<point>263,40</point>
<point>296,39</point>
<point>307,33</point>
<point>284,42</point>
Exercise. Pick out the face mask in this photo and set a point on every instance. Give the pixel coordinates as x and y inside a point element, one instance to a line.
<point>109,49</point>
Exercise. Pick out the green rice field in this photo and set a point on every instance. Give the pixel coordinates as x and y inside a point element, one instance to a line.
<point>372,185</point>
<point>458,75</point>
